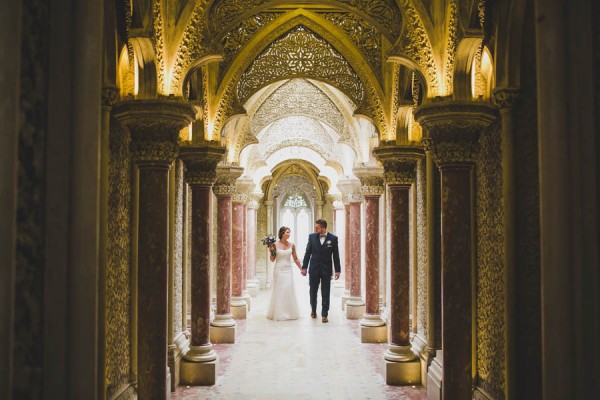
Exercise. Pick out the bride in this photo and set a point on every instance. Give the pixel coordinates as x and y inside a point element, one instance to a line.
<point>283,304</point>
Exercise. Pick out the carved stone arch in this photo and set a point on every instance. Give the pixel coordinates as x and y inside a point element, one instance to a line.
<point>414,48</point>
<point>466,53</point>
<point>145,64</point>
<point>298,168</point>
<point>226,95</point>
<point>509,43</point>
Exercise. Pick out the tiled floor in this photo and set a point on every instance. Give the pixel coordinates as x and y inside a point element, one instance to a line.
<point>301,359</point>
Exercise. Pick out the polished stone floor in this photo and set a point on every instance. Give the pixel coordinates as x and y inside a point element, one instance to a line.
<point>300,359</point>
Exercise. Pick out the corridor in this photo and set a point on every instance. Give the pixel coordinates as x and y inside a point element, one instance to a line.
<point>302,359</point>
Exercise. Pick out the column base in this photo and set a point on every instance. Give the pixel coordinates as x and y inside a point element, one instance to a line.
<point>434,379</point>
<point>355,308</point>
<point>247,299</point>
<point>345,297</point>
<point>175,352</point>
<point>402,373</point>
<point>239,308</point>
<point>373,329</point>
<point>199,374</point>
<point>199,366</point>
<point>222,329</point>
<point>253,287</point>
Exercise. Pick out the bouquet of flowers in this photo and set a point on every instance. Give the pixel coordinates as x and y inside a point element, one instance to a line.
<point>268,241</point>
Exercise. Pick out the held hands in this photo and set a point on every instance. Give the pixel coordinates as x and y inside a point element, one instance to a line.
<point>337,276</point>
<point>303,272</point>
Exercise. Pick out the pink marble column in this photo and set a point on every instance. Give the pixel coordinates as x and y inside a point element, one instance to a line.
<point>154,126</point>
<point>238,304</point>
<point>347,244</point>
<point>200,163</point>
<point>252,284</point>
<point>224,325</point>
<point>454,128</point>
<point>245,251</point>
<point>355,236</point>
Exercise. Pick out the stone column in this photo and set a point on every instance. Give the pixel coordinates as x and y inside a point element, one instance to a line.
<point>338,209</point>
<point>373,328</point>
<point>347,187</point>
<point>454,128</point>
<point>355,306</point>
<point>239,307</point>
<point>504,99</point>
<point>269,206</point>
<point>245,291</point>
<point>401,365</point>
<point>320,204</point>
<point>223,326</point>
<point>199,366</point>
<point>154,126</point>
<point>251,227</point>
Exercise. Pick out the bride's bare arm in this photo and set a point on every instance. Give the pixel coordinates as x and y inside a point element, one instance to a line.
<point>295,257</point>
<point>272,250</point>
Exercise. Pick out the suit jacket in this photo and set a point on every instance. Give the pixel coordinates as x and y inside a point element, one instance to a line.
<point>319,256</point>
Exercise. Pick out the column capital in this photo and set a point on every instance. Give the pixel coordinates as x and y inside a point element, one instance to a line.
<point>454,127</point>
<point>201,163</point>
<point>505,98</point>
<point>227,176</point>
<point>154,127</point>
<point>253,204</point>
<point>348,187</point>
<point>371,180</point>
<point>399,163</point>
<point>110,95</point>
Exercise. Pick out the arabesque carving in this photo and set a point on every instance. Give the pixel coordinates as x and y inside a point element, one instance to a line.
<point>117,291</point>
<point>301,53</point>
<point>178,250</point>
<point>201,163</point>
<point>364,35</point>
<point>415,44</point>
<point>422,255</point>
<point>372,186</point>
<point>384,13</point>
<point>399,163</point>
<point>451,45</point>
<point>300,97</point>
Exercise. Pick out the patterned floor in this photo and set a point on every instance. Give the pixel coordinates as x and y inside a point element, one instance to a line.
<point>301,359</point>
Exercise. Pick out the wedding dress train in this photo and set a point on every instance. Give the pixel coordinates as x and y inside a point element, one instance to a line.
<point>283,304</point>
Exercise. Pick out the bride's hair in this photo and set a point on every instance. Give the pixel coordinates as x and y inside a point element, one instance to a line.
<point>282,231</point>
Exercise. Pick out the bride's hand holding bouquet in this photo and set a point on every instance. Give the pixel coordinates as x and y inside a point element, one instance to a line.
<point>269,241</point>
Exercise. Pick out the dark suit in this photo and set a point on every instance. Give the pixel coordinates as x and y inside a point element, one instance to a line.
<point>318,259</point>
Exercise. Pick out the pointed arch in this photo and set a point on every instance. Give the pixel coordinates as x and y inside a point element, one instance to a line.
<point>225,97</point>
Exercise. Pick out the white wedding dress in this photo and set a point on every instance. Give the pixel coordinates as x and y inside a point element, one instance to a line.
<point>283,304</point>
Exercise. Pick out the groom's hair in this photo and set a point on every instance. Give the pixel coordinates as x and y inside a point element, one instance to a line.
<point>322,222</point>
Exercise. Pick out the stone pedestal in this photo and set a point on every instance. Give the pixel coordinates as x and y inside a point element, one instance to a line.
<point>154,127</point>
<point>402,366</point>
<point>198,366</point>
<point>454,129</point>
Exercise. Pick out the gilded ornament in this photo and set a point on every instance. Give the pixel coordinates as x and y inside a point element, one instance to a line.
<point>300,53</point>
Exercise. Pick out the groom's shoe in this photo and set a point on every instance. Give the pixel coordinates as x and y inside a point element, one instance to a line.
<point>324,319</point>
<point>313,314</point>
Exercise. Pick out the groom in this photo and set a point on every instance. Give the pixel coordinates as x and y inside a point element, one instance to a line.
<point>322,246</point>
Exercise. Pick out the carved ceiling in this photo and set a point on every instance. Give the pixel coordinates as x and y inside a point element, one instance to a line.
<point>296,131</point>
<point>301,53</point>
<point>297,97</point>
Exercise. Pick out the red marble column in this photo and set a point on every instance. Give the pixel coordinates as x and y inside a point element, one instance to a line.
<point>251,236</point>
<point>245,250</point>
<point>355,236</point>
<point>347,252</point>
<point>372,254</point>
<point>200,174</point>
<point>154,126</point>
<point>224,255</point>
<point>454,129</point>
<point>400,174</point>
<point>224,189</point>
